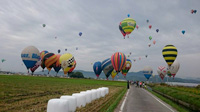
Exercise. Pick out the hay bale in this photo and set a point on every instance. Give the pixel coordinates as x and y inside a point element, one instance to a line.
<point>94,94</point>
<point>81,99</point>
<point>107,89</point>
<point>103,91</point>
<point>88,96</point>
<point>72,102</point>
<point>58,105</point>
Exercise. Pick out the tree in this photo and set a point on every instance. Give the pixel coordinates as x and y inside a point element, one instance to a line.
<point>76,74</point>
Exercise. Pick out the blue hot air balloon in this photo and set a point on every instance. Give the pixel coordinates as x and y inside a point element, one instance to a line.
<point>183,31</point>
<point>147,71</point>
<point>128,15</point>
<point>107,67</point>
<point>157,30</point>
<point>80,33</point>
<point>97,68</point>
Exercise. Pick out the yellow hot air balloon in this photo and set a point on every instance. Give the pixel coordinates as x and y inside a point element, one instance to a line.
<point>169,54</point>
<point>113,74</point>
<point>128,25</point>
<point>66,60</point>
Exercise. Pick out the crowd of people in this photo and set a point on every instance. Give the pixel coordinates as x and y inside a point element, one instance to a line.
<point>139,84</point>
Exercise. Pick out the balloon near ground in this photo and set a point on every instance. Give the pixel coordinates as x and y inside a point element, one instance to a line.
<point>174,68</point>
<point>169,53</point>
<point>127,67</point>
<point>97,68</point>
<point>113,74</point>
<point>147,71</point>
<point>30,55</point>
<point>66,60</point>
<point>118,60</point>
<point>162,71</point>
<point>49,60</point>
<point>57,65</point>
<point>107,67</point>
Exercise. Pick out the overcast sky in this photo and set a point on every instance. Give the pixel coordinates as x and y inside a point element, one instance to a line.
<point>98,20</point>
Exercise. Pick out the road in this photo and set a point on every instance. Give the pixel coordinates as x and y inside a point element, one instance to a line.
<point>140,100</point>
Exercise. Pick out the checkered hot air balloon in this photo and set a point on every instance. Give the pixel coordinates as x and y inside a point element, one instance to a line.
<point>169,54</point>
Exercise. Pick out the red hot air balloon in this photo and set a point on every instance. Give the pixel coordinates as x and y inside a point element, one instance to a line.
<point>118,60</point>
<point>150,26</point>
<point>137,26</point>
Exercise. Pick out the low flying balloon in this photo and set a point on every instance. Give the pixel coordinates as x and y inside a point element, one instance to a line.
<point>70,68</point>
<point>41,56</point>
<point>154,42</point>
<point>113,74</point>
<point>49,60</point>
<point>174,68</point>
<point>30,55</point>
<point>157,30</point>
<point>66,60</point>
<point>97,68</point>
<point>169,53</point>
<point>183,31</point>
<point>137,26</point>
<point>162,71</point>
<point>80,33</point>
<point>127,67</point>
<point>149,45</point>
<point>44,25</point>
<point>118,60</point>
<point>35,66</point>
<point>107,67</point>
<point>128,25</point>
<point>121,30</point>
<point>150,37</point>
<point>57,65</point>
<point>147,71</point>
<point>150,26</point>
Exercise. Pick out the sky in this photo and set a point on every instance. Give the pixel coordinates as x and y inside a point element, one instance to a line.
<point>98,20</point>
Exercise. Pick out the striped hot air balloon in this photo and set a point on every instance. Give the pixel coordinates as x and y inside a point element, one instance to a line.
<point>118,60</point>
<point>57,65</point>
<point>107,67</point>
<point>127,67</point>
<point>169,54</point>
<point>49,60</point>
<point>41,56</point>
<point>128,25</point>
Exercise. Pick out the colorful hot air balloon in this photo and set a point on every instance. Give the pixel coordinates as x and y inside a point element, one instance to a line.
<point>80,33</point>
<point>128,25</point>
<point>30,55</point>
<point>174,68</point>
<point>168,72</point>
<point>66,60</point>
<point>41,56</point>
<point>150,26</point>
<point>157,30</point>
<point>49,60</point>
<point>97,68</point>
<point>118,60</point>
<point>147,71</point>
<point>107,67</point>
<point>127,67</point>
<point>154,42</point>
<point>162,71</point>
<point>121,30</point>
<point>70,68</point>
<point>137,26</point>
<point>57,65</point>
<point>169,54</point>
<point>113,74</point>
<point>150,37</point>
<point>183,31</point>
<point>38,63</point>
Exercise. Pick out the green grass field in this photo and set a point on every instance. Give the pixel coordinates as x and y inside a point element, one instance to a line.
<point>31,93</point>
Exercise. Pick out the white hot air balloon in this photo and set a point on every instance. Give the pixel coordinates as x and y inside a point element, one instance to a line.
<point>174,68</point>
<point>162,71</point>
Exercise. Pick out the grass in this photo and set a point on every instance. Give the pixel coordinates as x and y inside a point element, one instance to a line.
<point>31,93</point>
<point>173,104</point>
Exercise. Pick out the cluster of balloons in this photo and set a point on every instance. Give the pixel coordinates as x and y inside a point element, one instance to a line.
<point>193,11</point>
<point>112,66</point>
<point>32,59</point>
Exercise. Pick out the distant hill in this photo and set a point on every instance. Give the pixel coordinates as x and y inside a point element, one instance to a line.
<point>130,76</point>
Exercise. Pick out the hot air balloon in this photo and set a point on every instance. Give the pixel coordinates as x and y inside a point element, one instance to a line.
<point>154,42</point>
<point>150,37</point>
<point>80,33</point>
<point>118,60</point>
<point>146,56</point>
<point>128,25</point>
<point>169,54</point>
<point>41,56</point>
<point>2,60</point>
<point>35,66</point>
<point>70,68</point>
<point>183,31</point>
<point>76,48</point>
<point>128,15</point>
<point>147,21</point>
<point>147,71</point>
<point>44,25</point>
<point>130,53</point>
<point>57,65</point>
<point>157,30</point>
<point>174,68</point>
<point>195,11</point>
<point>149,44</point>
<point>121,30</point>
<point>58,50</point>
<point>134,60</point>
<point>137,26</point>
<point>150,26</point>
<point>97,68</point>
<point>49,60</point>
<point>107,67</point>
<point>162,71</point>
<point>30,55</point>
<point>113,74</point>
<point>66,60</point>
<point>127,67</point>
<point>168,72</point>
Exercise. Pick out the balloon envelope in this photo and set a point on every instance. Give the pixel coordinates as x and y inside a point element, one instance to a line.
<point>49,60</point>
<point>183,32</point>
<point>150,26</point>
<point>66,60</point>
<point>154,42</point>
<point>113,74</point>
<point>107,67</point>
<point>147,71</point>
<point>118,60</point>
<point>128,25</point>
<point>121,30</point>
<point>157,30</point>
<point>30,55</point>
<point>174,68</point>
<point>97,68</point>
<point>127,67</point>
<point>169,54</point>
<point>150,37</point>
<point>57,65</point>
<point>162,71</point>
<point>80,33</point>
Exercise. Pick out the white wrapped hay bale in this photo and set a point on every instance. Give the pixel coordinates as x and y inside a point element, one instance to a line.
<point>81,99</point>
<point>58,105</point>
<point>107,89</point>
<point>103,91</point>
<point>72,102</point>
<point>98,93</point>
<point>88,96</point>
<point>94,94</point>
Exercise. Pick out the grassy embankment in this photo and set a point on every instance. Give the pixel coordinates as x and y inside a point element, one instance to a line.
<point>185,94</point>
<point>29,93</point>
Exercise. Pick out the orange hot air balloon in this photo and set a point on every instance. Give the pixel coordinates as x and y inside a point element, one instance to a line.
<point>49,60</point>
<point>118,61</point>
<point>154,42</point>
